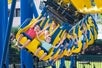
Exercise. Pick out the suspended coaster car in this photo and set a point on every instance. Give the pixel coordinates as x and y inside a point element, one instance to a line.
<point>90,28</point>
<point>56,35</point>
<point>89,39</point>
<point>34,44</point>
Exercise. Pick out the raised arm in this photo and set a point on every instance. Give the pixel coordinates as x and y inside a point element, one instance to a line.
<point>47,27</point>
<point>38,20</point>
<point>62,40</point>
<point>42,31</point>
<point>59,43</point>
<point>38,38</point>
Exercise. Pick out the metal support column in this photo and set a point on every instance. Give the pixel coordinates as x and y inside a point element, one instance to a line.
<point>3,26</point>
<point>54,66</point>
<point>7,31</point>
<point>27,8</point>
<point>34,9</point>
<point>62,63</point>
<point>73,59</point>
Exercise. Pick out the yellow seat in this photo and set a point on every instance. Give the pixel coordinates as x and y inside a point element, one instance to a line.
<point>33,45</point>
<point>56,40</point>
<point>74,49</point>
<point>58,51</point>
<point>90,42</point>
<point>64,52</point>
<point>77,50</point>
<point>92,25</point>
<point>24,29</point>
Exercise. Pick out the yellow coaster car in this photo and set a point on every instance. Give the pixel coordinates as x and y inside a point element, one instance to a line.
<point>56,36</point>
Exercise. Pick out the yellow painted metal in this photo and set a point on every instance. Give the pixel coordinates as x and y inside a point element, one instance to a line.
<point>34,44</point>
<point>9,1</point>
<point>56,41</point>
<point>98,3</point>
<point>77,50</point>
<point>86,7</point>
<point>65,2</point>
<point>79,4</point>
<point>87,3</point>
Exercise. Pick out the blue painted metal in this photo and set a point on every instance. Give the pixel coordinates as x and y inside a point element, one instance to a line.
<point>73,61</point>
<point>54,66</point>
<point>27,12</point>
<point>62,63</point>
<point>2,28</point>
<point>34,9</point>
<point>4,56</point>
<point>26,59</point>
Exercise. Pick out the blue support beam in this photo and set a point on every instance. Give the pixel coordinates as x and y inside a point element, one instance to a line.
<point>3,25</point>
<point>6,30</point>
<point>54,66</point>
<point>2,28</point>
<point>34,9</point>
<point>62,63</point>
<point>73,59</point>
<point>27,11</point>
<point>26,59</point>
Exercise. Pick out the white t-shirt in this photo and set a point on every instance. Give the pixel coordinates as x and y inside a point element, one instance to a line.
<point>46,45</point>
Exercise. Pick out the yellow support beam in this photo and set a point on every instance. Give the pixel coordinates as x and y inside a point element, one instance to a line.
<point>66,1</point>
<point>92,10</point>
<point>98,3</point>
<point>86,7</point>
<point>79,4</point>
<point>87,3</point>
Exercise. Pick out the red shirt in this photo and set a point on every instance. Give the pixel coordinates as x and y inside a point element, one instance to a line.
<point>31,33</point>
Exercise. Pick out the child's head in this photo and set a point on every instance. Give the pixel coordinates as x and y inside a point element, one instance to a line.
<point>55,23</point>
<point>37,28</point>
<point>48,39</point>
